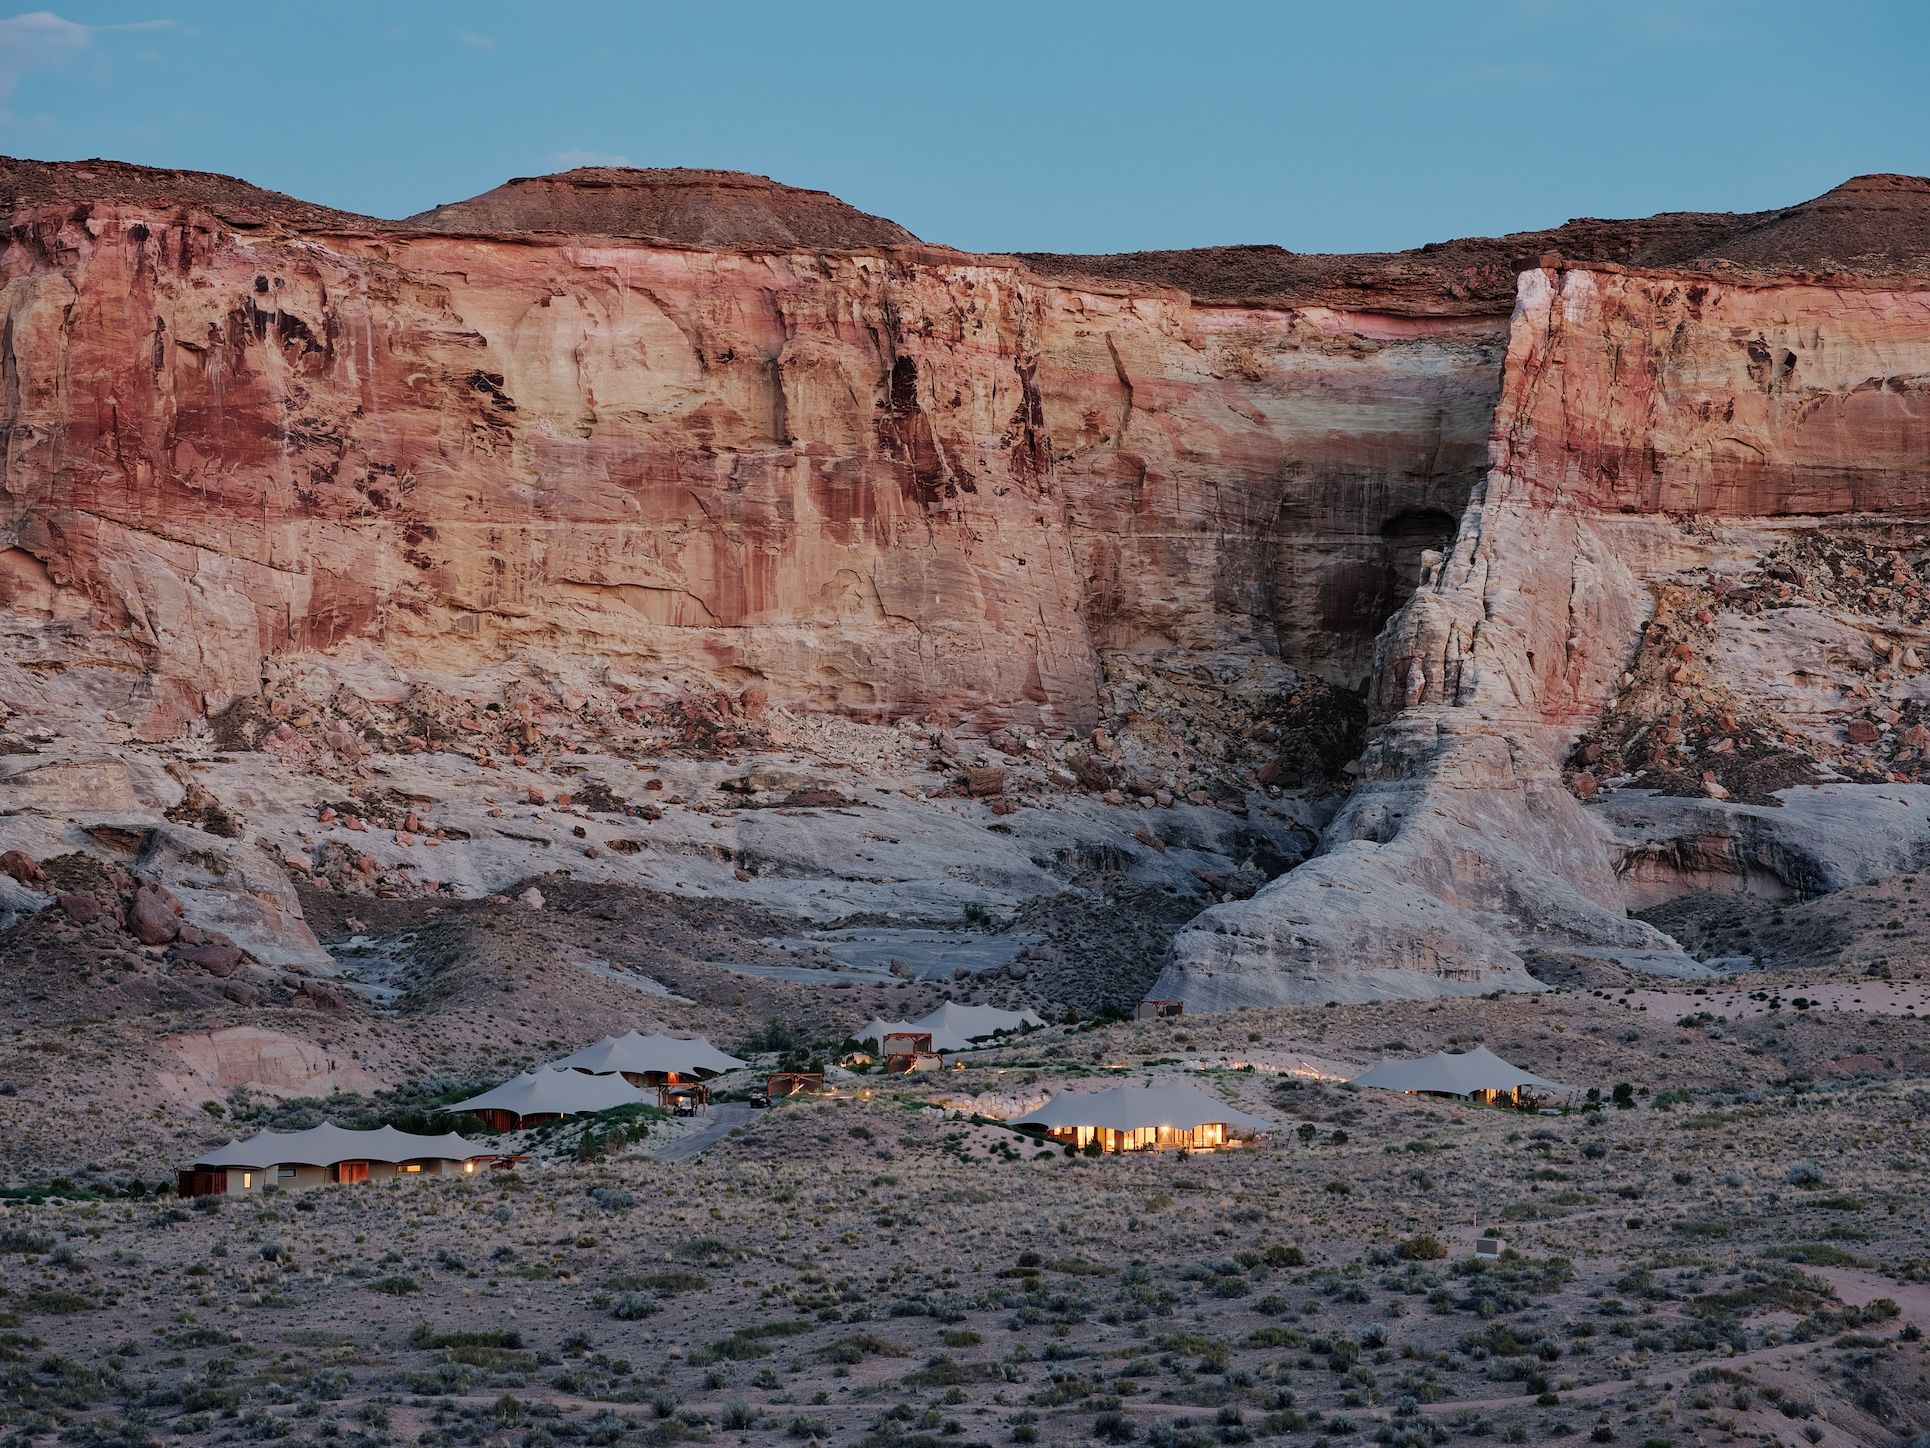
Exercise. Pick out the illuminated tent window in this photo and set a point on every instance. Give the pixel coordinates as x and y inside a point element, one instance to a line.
<point>1173,1116</point>
<point>324,1154</point>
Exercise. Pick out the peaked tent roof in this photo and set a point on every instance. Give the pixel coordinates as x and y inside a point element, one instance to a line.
<point>633,1052</point>
<point>328,1143</point>
<point>1452,1074</point>
<point>953,1027</point>
<point>546,1092</point>
<point>1175,1104</point>
<point>878,1029</point>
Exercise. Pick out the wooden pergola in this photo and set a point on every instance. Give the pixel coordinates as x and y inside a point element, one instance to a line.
<point>673,1091</point>
<point>906,1051</point>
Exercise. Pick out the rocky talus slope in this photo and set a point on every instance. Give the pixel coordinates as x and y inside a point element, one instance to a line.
<point>331,546</point>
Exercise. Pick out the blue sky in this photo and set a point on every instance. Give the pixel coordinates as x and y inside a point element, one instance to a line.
<point>1050,125</point>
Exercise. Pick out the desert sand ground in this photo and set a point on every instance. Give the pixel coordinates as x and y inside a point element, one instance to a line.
<point>1742,1255</point>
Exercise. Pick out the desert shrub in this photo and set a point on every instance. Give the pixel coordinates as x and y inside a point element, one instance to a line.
<point>612,1199</point>
<point>426,1338</point>
<point>861,1345</point>
<point>53,1302</point>
<point>411,1108</point>
<point>1423,1248</point>
<point>1819,1254</point>
<point>664,1284</point>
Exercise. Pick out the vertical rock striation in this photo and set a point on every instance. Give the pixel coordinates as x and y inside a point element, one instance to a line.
<point>872,477</point>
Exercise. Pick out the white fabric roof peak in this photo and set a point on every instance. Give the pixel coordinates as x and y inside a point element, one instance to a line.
<point>640,1054</point>
<point>549,1092</point>
<point>1175,1104</point>
<point>1450,1073</point>
<point>328,1144</point>
<point>953,1027</point>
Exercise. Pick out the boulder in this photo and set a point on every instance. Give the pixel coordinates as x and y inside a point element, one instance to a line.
<point>80,908</point>
<point>984,781</point>
<point>22,867</point>
<point>219,958</point>
<point>153,916</point>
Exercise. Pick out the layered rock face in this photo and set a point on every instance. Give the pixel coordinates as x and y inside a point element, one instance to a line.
<point>886,481</point>
<point>1660,440</point>
<point>614,439</point>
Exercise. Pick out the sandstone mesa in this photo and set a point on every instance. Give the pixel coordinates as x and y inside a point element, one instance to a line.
<point>1618,530</point>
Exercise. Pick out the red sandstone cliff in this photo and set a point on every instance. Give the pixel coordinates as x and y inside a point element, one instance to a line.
<point>1663,440</point>
<point>876,478</point>
<point>674,431</point>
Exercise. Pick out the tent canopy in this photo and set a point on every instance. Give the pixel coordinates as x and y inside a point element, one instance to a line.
<point>549,1092</point>
<point>1174,1104</point>
<point>953,1027</point>
<point>327,1144</point>
<point>1450,1074</point>
<point>641,1054</point>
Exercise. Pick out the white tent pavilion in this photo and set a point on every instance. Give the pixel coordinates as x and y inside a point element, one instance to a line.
<point>1478,1073</point>
<point>327,1153</point>
<point>1140,1118</point>
<point>649,1060</point>
<point>545,1093</point>
<point>953,1027</point>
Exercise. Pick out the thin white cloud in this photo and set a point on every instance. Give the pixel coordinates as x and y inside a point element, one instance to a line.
<point>474,41</point>
<point>41,40</point>
<point>565,160</point>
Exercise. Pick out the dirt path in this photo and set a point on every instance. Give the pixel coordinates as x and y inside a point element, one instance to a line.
<point>724,1117</point>
<point>1856,1287</point>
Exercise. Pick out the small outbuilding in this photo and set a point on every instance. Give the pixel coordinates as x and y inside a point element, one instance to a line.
<point>780,1084</point>
<point>650,1060</point>
<point>907,1051</point>
<point>545,1094</point>
<point>1144,1118</point>
<point>1478,1074</point>
<point>328,1154</point>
